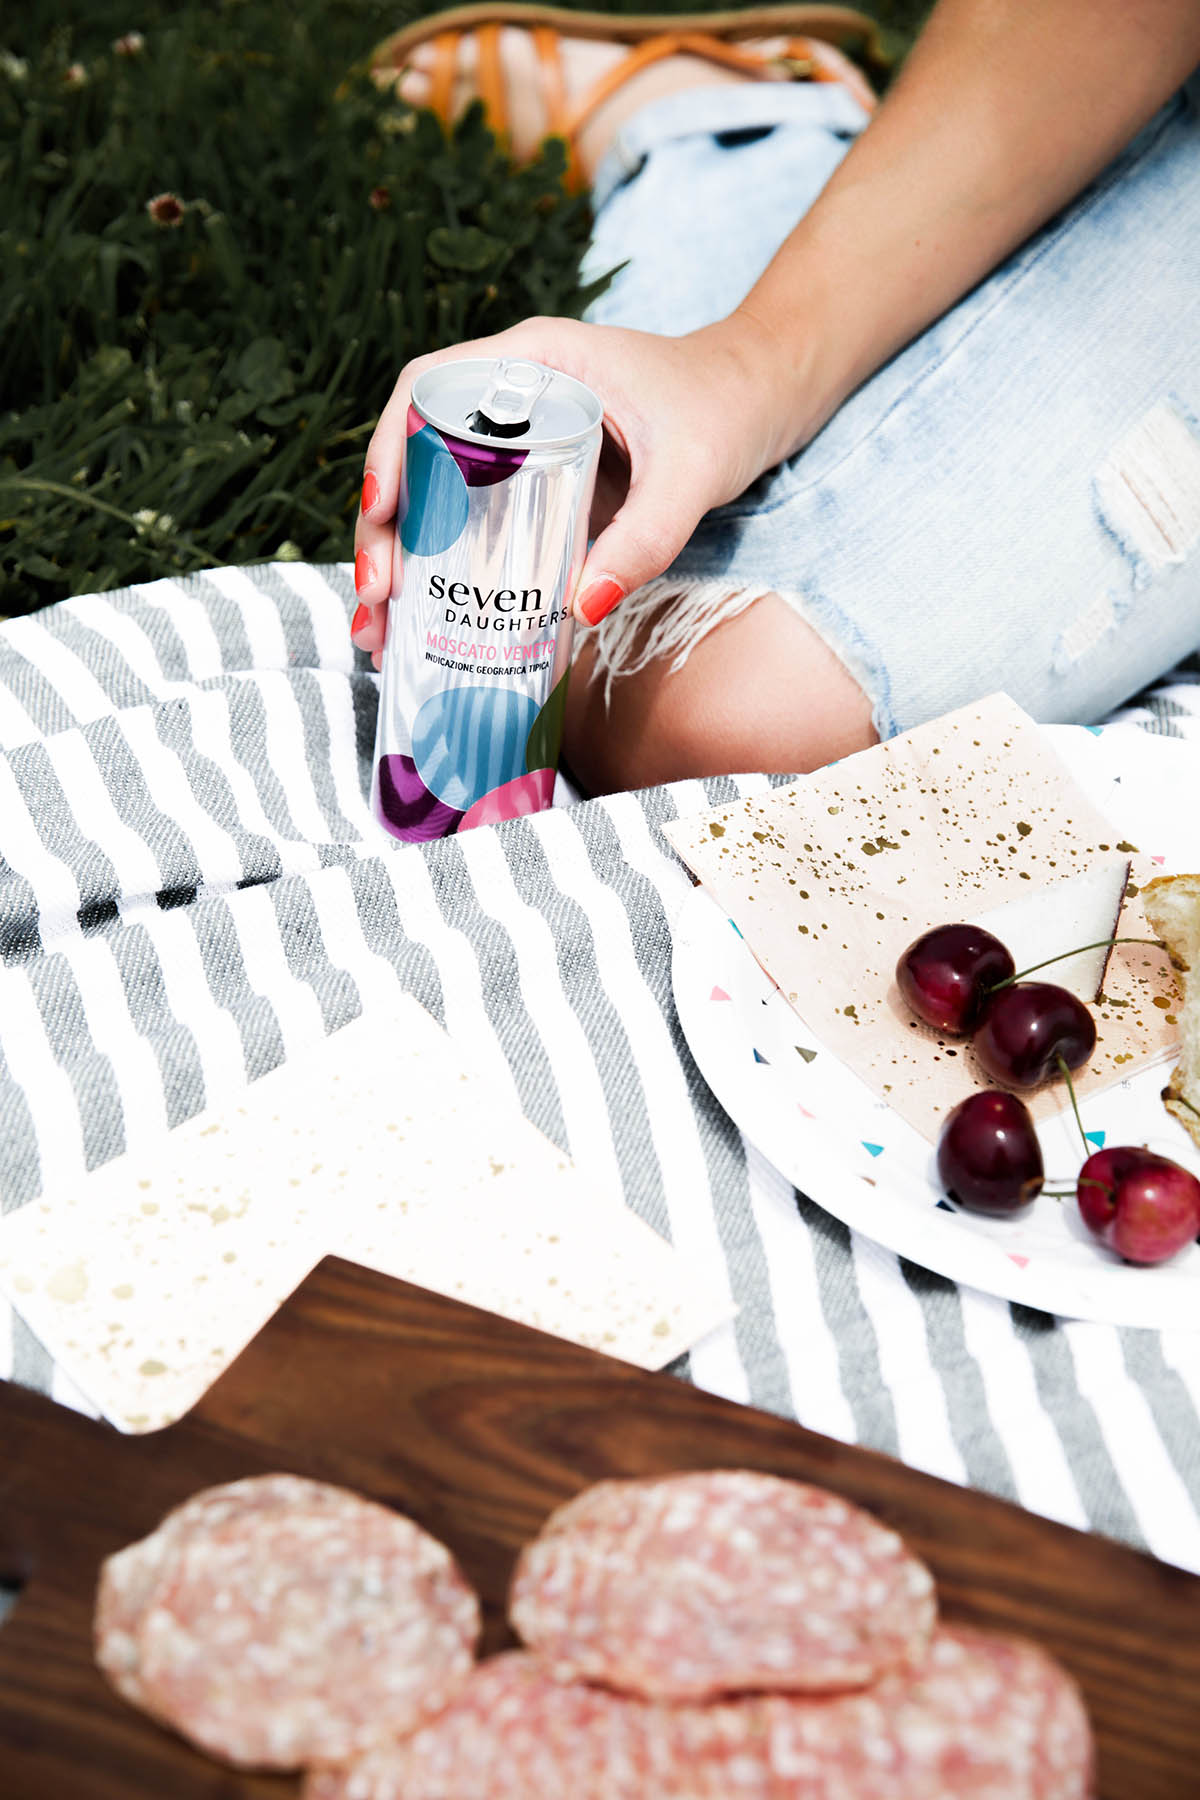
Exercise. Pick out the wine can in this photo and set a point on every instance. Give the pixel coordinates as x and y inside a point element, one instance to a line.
<point>499,467</point>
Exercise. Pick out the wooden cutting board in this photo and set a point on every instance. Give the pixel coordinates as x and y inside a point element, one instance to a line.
<point>476,1428</point>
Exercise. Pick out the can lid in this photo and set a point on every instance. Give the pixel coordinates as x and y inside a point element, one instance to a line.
<point>561,411</point>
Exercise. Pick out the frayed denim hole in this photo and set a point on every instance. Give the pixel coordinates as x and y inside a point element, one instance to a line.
<point>1146,492</point>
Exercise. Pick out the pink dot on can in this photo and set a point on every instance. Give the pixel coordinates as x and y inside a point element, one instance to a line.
<point>527,794</point>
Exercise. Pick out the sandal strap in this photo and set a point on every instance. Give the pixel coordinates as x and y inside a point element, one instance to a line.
<point>548,44</point>
<point>441,78</point>
<point>811,59</point>
<point>656,49</point>
<point>490,84</point>
<point>804,58</point>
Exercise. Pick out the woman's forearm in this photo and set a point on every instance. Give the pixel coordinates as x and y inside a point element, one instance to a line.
<point>1005,110</point>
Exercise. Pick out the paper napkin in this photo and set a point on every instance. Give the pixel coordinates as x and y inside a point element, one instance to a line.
<point>829,880</point>
<point>383,1146</point>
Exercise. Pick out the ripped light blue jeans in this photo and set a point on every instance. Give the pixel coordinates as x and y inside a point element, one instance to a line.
<point>1013,502</point>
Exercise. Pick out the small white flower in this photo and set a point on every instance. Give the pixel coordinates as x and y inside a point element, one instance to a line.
<point>132,43</point>
<point>153,524</point>
<point>15,67</point>
<point>75,75</point>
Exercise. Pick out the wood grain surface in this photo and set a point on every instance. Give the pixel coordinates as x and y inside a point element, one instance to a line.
<point>476,1428</point>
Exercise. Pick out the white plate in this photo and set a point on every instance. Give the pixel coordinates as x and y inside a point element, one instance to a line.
<point>829,1135</point>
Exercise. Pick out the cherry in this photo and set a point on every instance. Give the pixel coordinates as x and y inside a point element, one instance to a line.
<point>1028,1030</point>
<point>947,974</point>
<point>1143,1206</point>
<point>988,1156</point>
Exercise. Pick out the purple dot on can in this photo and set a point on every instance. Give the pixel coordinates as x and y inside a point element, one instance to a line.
<point>483,465</point>
<point>407,807</point>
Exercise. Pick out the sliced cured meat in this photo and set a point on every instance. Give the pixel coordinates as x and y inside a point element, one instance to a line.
<point>126,1582</point>
<point>515,1733</point>
<point>129,1578</point>
<point>283,1622</point>
<point>719,1582</point>
<point>987,1719</point>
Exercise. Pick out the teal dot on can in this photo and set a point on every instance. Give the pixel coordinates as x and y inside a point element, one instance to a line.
<point>437,495</point>
<point>468,740</point>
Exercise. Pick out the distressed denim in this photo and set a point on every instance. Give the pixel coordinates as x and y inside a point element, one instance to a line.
<point>1013,501</point>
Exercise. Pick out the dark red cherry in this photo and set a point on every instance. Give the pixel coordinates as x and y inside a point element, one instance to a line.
<point>988,1156</point>
<point>1026,1029</point>
<point>946,974</point>
<point>1143,1206</point>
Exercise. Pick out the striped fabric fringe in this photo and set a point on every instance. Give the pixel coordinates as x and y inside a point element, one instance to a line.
<point>191,891</point>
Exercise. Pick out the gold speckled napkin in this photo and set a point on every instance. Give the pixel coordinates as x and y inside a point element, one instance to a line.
<point>830,879</point>
<point>381,1146</point>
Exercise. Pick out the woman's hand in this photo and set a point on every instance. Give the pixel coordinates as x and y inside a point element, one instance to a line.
<point>689,423</point>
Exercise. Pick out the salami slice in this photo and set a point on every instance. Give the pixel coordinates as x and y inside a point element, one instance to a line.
<point>986,1719</point>
<point>724,1581</point>
<point>129,1579</point>
<point>514,1733</point>
<point>285,1624</point>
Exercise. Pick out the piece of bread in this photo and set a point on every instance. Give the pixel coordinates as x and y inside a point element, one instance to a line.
<point>1172,904</point>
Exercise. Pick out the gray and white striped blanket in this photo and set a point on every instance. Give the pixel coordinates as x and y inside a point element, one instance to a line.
<point>184,834</point>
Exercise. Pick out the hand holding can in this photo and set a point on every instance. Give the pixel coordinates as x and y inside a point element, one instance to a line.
<point>500,464</point>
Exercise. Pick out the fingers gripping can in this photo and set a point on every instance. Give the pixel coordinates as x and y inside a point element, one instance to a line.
<point>498,475</point>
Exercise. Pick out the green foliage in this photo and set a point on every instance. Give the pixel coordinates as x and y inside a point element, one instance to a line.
<point>198,391</point>
<point>194,383</point>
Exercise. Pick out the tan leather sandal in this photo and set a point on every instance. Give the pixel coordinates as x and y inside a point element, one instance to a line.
<point>820,43</point>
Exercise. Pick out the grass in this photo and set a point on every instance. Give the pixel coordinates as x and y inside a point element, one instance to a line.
<point>192,382</point>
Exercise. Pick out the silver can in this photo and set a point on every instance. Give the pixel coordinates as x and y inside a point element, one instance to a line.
<point>499,469</point>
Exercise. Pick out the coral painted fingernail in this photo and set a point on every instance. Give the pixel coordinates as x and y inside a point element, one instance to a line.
<point>362,616</point>
<point>370,491</point>
<point>599,597</point>
<point>364,571</point>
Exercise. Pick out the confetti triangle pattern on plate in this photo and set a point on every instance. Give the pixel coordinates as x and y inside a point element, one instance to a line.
<point>380,1145</point>
<point>829,879</point>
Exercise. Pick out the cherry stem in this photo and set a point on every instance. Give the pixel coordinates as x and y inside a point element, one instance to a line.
<point>1180,1101</point>
<point>1100,944</point>
<point>1066,1075</point>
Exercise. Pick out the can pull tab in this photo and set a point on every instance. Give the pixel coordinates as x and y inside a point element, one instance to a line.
<point>504,411</point>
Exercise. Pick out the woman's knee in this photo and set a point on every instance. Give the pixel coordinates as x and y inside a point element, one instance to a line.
<point>759,692</point>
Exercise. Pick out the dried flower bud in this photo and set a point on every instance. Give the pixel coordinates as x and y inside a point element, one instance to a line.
<point>380,198</point>
<point>166,209</point>
<point>131,44</point>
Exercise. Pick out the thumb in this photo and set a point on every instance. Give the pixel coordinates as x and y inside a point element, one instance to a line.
<point>641,542</point>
